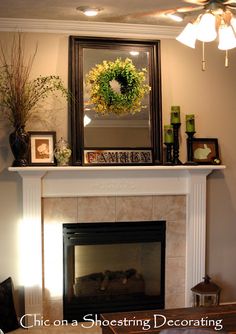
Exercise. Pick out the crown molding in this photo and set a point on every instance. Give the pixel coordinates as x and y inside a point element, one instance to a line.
<point>87,28</point>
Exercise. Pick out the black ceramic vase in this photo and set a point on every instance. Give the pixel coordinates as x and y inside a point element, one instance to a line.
<point>19,142</point>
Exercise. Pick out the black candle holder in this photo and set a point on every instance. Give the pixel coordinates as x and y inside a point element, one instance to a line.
<point>169,158</point>
<point>176,160</point>
<point>190,148</point>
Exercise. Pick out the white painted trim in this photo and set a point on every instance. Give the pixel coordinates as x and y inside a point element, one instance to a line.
<point>86,28</point>
<point>92,169</point>
<point>71,181</point>
<point>32,229</point>
<point>195,231</point>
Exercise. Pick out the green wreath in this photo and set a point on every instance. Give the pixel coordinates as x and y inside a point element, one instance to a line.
<point>116,87</point>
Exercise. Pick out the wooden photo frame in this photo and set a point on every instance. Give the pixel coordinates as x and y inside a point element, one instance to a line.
<point>42,145</point>
<point>205,151</point>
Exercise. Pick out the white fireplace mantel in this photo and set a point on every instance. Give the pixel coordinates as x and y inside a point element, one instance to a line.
<point>38,182</point>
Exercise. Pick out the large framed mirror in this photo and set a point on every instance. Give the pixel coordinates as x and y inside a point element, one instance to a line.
<point>116,117</point>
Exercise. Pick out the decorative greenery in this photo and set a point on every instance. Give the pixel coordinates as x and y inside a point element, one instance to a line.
<point>117,87</point>
<point>19,95</point>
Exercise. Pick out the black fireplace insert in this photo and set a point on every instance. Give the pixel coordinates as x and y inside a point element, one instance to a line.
<point>111,267</point>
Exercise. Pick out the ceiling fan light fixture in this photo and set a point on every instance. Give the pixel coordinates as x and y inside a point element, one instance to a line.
<point>217,19</point>
<point>227,39</point>
<point>175,16</point>
<point>89,11</point>
<point>206,29</point>
<point>188,36</point>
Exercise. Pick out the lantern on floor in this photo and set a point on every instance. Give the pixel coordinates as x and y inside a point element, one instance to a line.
<point>206,293</point>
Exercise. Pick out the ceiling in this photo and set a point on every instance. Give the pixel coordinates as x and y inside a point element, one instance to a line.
<point>121,11</point>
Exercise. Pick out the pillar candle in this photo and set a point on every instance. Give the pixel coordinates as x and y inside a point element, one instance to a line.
<point>175,115</point>
<point>168,134</point>
<point>190,123</point>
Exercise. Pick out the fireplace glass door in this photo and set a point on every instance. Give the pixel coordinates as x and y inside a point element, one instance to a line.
<point>112,267</point>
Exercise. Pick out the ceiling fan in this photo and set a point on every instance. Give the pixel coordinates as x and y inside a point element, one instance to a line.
<point>209,19</point>
<point>198,6</point>
<point>203,6</point>
<point>215,20</point>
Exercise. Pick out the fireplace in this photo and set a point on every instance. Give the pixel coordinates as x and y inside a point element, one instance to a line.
<point>112,267</point>
<point>158,192</point>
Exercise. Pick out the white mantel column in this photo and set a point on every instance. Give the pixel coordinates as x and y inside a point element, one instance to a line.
<point>196,231</point>
<point>31,242</point>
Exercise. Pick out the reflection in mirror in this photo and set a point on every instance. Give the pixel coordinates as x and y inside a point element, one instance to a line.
<point>135,134</point>
<point>128,130</point>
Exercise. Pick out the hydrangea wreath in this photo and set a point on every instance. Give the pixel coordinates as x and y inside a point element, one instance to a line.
<point>116,87</point>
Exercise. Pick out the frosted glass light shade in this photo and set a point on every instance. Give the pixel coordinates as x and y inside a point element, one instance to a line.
<point>206,30</point>
<point>188,36</point>
<point>227,39</point>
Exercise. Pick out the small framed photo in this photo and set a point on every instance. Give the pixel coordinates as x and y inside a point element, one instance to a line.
<point>42,145</point>
<point>205,151</point>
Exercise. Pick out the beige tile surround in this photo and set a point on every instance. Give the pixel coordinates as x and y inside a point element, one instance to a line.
<point>116,209</point>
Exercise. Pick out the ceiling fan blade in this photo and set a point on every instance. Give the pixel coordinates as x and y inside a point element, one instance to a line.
<point>139,15</point>
<point>159,13</point>
<point>189,9</point>
<point>149,13</point>
<point>197,2</point>
<point>229,2</point>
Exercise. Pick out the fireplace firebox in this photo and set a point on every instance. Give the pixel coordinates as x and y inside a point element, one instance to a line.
<point>111,267</point>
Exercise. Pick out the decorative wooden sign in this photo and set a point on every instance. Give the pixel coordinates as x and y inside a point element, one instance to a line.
<point>123,157</point>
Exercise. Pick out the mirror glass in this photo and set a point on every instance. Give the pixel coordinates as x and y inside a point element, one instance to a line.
<point>128,130</point>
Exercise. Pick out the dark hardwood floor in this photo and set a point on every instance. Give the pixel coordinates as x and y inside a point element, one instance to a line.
<point>217,318</point>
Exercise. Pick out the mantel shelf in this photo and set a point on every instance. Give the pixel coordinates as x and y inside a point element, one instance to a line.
<point>116,168</point>
<point>72,181</point>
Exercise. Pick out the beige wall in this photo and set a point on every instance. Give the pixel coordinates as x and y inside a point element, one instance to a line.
<point>209,95</point>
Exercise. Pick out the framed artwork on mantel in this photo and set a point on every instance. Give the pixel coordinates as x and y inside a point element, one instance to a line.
<point>42,145</point>
<point>205,151</point>
<point>116,113</point>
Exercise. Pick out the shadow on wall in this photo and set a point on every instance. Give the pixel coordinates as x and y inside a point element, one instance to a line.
<point>6,156</point>
<point>11,210</point>
<point>10,188</point>
<point>4,153</point>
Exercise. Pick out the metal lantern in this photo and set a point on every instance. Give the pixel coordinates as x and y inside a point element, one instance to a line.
<point>206,293</point>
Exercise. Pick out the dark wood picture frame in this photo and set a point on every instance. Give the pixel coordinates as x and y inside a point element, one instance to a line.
<point>205,151</point>
<point>41,149</point>
<point>76,81</point>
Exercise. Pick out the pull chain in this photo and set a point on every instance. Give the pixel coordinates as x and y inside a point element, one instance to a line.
<point>203,57</point>
<point>226,59</point>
